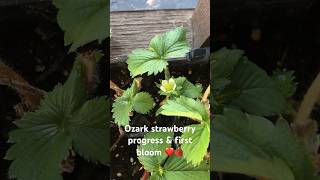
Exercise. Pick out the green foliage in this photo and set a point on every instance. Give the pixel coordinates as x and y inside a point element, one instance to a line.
<point>186,88</point>
<point>196,150</point>
<point>193,109</point>
<point>154,59</point>
<point>284,81</point>
<point>185,107</point>
<point>252,89</point>
<point>88,130</point>
<point>65,120</point>
<point>153,163</point>
<point>173,167</point>
<point>145,61</point>
<point>182,100</point>
<point>222,64</point>
<point>83,21</point>
<point>252,145</point>
<point>142,102</point>
<point>131,100</point>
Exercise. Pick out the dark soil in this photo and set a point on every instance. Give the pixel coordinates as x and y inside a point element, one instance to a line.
<point>31,42</point>
<point>290,39</point>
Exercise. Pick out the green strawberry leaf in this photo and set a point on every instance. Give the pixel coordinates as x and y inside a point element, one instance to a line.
<point>171,44</point>
<point>121,111</point>
<point>222,64</point>
<point>252,145</point>
<point>131,100</point>
<point>83,21</point>
<point>187,89</point>
<point>162,47</point>
<point>142,102</point>
<point>257,91</point>
<point>142,61</point>
<point>194,109</point>
<point>44,137</point>
<point>284,81</point>
<point>185,107</point>
<point>258,95</point>
<point>179,168</point>
<point>123,106</point>
<point>88,129</point>
<point>195,151</point>
<point>38,150</point>
<point>173,167</point>
<point>153,163</point>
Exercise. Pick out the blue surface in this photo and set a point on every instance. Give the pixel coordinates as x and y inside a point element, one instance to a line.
<point>135,5</point>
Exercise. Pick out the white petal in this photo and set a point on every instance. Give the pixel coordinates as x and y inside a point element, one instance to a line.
<point>164,82</point>
<point>171,81</point>
<point>163,89</point>
<point>174,87</point>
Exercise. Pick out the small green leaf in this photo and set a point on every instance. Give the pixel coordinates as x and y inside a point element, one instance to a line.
<point>195,151</point>
<point>132,91</point>
<point>83,21</point>
<point>284,81</point>
<point>185,107</point>
<point>154,59</point>
<point>131,100</point>
<point>121,109</point>
<point>142,102</point>
<point>252,145</point>
<point>187,89</point>
<point>123,105</point>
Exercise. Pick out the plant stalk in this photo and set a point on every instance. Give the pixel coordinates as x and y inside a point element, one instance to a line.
<point>166,73</point>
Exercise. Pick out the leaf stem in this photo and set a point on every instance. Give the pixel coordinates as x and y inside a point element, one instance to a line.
<point>308,102</point>
<point>167,73</point>
<point>206,94</point>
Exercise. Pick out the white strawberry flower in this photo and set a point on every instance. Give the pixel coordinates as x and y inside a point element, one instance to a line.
<point>168,86</point>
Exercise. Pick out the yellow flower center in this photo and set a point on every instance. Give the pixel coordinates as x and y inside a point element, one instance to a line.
<point>168,85</point>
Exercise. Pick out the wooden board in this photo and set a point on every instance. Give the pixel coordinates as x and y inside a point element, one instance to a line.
<point>201,24</point>
<point>134,29</point>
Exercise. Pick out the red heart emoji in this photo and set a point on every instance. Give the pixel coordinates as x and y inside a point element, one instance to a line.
<point>179,152</point>
<point>169,151</point>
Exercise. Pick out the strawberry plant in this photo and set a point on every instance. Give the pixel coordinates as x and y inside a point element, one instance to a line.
<point>244,101</point>
<point>178,99</point>
<point>64,122</point>
<point>69,120</point>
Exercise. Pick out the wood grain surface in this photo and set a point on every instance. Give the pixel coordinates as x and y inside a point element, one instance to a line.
<point>201,24</point>
<point>134,29</point>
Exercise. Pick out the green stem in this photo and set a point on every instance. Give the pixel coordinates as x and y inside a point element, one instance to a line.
<point>167,73</point>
